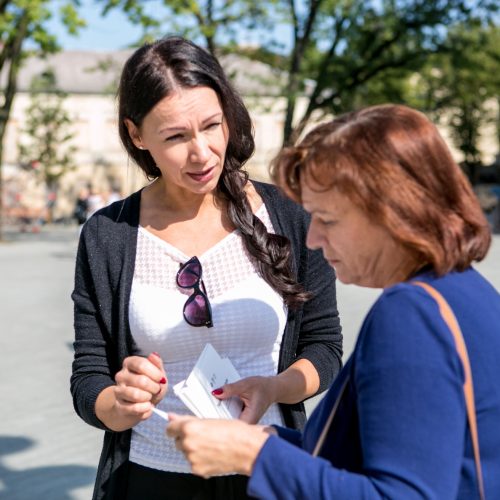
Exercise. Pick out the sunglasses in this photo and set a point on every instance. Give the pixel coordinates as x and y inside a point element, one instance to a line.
<point>197,310</point>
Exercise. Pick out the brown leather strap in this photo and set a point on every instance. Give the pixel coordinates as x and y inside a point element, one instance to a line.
<point>328,423</point>
<point>452,323</point>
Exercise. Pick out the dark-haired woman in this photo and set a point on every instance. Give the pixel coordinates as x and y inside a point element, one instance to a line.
<point>202,254</point>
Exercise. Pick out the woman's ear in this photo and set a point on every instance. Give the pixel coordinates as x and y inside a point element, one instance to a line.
<point>134,134</point>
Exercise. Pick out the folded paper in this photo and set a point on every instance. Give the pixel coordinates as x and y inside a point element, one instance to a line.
<point>210,372</point>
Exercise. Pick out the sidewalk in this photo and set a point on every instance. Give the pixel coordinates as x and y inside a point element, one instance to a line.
<point>46,451</point>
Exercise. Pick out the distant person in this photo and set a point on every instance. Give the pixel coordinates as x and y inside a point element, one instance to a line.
<point>95,202</point>
<point>201,255</point>
<point>113,195</point>
<point>390,209</point>
<point>81,206</point>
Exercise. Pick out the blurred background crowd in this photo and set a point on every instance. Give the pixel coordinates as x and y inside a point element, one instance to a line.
<point>294,62</point>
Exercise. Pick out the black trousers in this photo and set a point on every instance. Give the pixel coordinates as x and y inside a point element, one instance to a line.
<point>145,483</point>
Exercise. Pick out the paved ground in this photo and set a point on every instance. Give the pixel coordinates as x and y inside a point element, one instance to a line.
<point>46,452</point>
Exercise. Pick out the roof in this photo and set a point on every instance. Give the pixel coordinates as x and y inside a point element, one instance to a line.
<point>91,72</point>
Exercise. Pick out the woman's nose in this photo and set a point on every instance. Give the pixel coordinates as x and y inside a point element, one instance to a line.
<point>313,240</point>
<point>200,151</point>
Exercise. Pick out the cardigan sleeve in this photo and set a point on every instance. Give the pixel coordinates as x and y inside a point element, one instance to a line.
<point>91,371</point>
<point>320,337</point>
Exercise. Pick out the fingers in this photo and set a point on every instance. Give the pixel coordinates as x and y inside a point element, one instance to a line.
<point>175,423</point>
<point>156,360</point>
<point>151,367</point>
<point>229,390</point>
<point>137,410</point>
<point>255,392</point>
<point>214,446</point>
<point>142,379</point>
<point>176,426</point>
<point>250,415</point>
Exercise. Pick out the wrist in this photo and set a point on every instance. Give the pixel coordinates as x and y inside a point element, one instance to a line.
<point>273,384</point>
<point>257,439</point>
<point>107,412</point>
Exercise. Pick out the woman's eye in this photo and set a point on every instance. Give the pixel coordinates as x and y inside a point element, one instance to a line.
<point>174,137</point>
<point>328,222</point>
<point>213,125</point>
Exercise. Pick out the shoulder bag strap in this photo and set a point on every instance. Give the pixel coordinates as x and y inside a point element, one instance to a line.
<point>452,323</point>
<point>328,423</point>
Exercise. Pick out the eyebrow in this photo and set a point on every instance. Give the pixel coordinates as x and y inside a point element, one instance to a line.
<point>205,120</point>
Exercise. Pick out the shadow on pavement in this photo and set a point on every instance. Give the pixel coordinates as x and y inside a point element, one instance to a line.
<point>53,482</point>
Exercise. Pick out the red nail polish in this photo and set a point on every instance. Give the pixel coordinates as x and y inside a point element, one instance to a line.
<point>217,392</point>
<point>163,380</point>
<point>156,354</point>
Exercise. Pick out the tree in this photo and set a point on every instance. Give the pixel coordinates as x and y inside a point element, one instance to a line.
<point>459,85</point>
<point>23,32</point>
<point>46,149</point>
<point>347,48</point>
<point>204,19</point>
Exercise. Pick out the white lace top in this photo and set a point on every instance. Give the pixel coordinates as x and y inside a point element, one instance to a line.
<point>249,319</point>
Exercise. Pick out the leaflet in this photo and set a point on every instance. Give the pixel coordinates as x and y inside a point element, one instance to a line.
<point>210,372</point>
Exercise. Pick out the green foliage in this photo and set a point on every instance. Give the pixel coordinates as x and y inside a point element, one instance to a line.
<point>46,146</point>
<point>36,13</point>
<point>211,22</point>
<point>351,52</point>
<point>459,85</point>
<point>362,45</point>
<point>23,32</point>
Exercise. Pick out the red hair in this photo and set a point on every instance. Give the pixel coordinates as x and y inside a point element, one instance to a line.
<point>393,163</point>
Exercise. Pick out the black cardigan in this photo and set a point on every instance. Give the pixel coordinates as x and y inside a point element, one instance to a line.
<point>103,279</point>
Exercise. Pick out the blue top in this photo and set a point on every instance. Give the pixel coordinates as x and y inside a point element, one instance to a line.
<point>401,428</point>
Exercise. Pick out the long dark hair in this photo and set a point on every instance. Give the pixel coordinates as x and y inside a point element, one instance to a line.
<point>153,72</point>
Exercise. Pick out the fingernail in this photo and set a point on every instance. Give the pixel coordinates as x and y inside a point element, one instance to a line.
<point>163,380</point>
<point>217,392</point>
<point>156,354</point>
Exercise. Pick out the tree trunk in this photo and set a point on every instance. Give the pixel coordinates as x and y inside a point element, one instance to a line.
<point>15,52</point>
<point>301,39</point>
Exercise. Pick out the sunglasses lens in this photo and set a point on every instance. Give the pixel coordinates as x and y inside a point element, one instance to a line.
<point>189,275</point>
<point>196,310</point>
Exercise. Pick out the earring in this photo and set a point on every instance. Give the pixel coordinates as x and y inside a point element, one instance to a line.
<point>141,147</point>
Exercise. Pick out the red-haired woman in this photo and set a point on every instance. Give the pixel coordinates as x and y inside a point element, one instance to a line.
<point>389,208</point>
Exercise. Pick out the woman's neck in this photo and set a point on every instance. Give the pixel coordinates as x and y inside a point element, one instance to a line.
<point>178,202</point>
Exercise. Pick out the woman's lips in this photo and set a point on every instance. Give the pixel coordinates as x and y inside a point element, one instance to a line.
<point>202,176</point>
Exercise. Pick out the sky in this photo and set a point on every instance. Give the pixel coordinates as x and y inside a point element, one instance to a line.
<point>102,33</point>
<point>115,31</point>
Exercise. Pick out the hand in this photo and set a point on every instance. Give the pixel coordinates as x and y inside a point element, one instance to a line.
<point>140,384</point>
<point>215,447</point>
<point>257,394</point>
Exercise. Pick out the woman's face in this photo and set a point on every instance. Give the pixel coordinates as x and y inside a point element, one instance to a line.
<point>186,135</point>
<point>362,252</point>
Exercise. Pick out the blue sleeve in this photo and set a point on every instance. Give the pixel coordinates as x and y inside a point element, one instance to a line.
<point>408,382</point>
<point>292,436</point>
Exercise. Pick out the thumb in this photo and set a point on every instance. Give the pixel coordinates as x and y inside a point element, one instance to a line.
<point>173,416</point>
<point>227,391</point>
